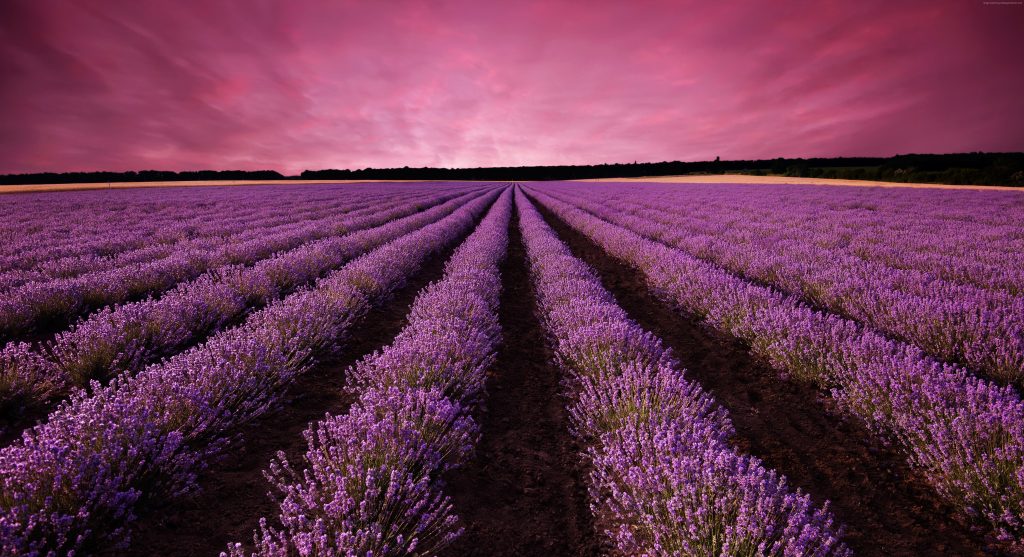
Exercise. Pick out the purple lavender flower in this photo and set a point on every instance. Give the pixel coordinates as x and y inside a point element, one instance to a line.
<point>664,479</point>
<point>964,434</point>
<point>371,482</point>
<point>128,337</point>
<point>73,483</point>
<point>671,491</point>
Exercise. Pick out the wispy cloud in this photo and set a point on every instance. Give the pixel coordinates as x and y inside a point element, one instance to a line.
<point>292,85</point>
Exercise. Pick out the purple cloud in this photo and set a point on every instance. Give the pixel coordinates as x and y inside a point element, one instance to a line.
<point>121,85</point>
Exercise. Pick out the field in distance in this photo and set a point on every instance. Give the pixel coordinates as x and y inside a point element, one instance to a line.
<point>751,179</point>
<point>541,368</point>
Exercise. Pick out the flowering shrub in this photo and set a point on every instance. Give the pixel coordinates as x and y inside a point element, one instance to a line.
<point>127,337</point>
<point>62,298</point>
<point>73,482</point>
<point>954,291</point>
<point>664,478</point>
<point>964,434</point>
<point>370,485</point>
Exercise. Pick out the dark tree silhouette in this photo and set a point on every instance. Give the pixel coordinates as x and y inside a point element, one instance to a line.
<point>960,168</point>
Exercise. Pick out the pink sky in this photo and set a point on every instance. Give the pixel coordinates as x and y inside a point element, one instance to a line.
<point>177,85</point>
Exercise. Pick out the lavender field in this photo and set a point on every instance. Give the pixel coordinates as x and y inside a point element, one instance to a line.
<point>545,368</point>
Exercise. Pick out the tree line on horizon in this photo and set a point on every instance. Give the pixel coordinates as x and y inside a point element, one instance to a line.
<point>1004,169</point>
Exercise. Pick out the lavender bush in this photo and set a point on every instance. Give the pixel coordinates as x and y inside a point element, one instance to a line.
<point>664,478</point>
<point>674,492</point>
<point>127,337</point>
<point>60,236</point>
<point>917,279</point>
<point>204,227</point>
<point>370,485</point>
<point>59,299</point>
<point>73,483</point>
<point>367,486</point>
<point>965,435</point>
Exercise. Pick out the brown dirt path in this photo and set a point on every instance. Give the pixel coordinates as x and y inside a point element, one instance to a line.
<point>791,428</point>
<point>234,493</point>
<point>524,493</point>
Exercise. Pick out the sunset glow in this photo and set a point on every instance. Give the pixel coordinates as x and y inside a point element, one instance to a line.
<point>294,85</point>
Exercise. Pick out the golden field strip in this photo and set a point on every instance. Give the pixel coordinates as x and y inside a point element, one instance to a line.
<point>30,188</point>
<point>748,179</point>
<point>686,179</point>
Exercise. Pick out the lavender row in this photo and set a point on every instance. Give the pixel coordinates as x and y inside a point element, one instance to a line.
<point>980,328</point>
<point>126,338</point>
<point>74,483</point>
<point>64,297</point>
<point>664,479</point>
<point>59,300</point>
<point>965,435</point>
<point>965,237</point>
<point>199,231</point>
<point>411,423</point>
<point>160,229</point>
<point>69,224</point>
<point>109,222</point>
<point>61,228</point>
<point>113,240</point>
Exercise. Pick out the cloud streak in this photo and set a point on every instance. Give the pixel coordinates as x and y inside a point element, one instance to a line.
<point>120,85</point>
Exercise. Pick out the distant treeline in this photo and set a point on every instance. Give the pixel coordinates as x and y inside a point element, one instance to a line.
<point>140,176</point>
<point>1002,169</point>
<point>966,168</point>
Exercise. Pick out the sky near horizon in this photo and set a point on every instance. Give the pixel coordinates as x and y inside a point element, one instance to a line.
<point>187,85</point>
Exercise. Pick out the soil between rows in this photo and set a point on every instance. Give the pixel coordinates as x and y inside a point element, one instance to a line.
<point>525,492</point>
<point>790,426</point>
<point>234,493</point>
<point>1018,385</point>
